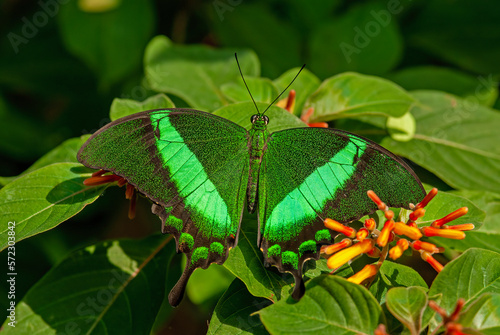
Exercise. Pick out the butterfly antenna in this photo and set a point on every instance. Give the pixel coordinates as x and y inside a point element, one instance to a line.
<point>241,73</point>
<point>302,68</point>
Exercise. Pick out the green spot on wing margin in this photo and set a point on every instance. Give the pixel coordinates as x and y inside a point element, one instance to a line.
<point>186,239</point>
<point>217,247</point>
<point>307,246</point>
<point>290,257</point>
<point>274,250</point>
<point>323,234</point>
<point>199,253</point>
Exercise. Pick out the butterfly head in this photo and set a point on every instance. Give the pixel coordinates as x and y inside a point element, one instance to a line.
<point>259,121</point>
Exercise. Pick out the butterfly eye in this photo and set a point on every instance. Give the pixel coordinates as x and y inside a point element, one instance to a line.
<point>266,119</point>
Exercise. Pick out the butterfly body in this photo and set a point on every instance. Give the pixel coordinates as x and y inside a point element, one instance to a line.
<point>258,136</point>
<point>200,170</point>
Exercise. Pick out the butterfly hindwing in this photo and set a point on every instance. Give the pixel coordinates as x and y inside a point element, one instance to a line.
<point>309,174</point>
<point>192,165</point>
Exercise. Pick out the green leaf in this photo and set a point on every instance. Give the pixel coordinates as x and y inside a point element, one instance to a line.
<point>274,40</point>
<point>205,286</point>
<point>483,315</point>
<point>488,235</point>
<point>195,73</point>
<point>331,305</point>
<point>481,89</point>
<point>474,273</point>
<point>240,113</point>
<point>454,140</point>
<point>364,39</point>
<point>42,199</point>
<point>64,152</point>
<point>353,94</point>
<point>96,289</point>
<point>391,275</point>
<point>234,312</point>
<point>110,52</point>
<point>305,84</point>
<point>408,305</point>
<point>468,37</point>
<point>262,89</point>
<point>124,107</point>
<point>245,261</point>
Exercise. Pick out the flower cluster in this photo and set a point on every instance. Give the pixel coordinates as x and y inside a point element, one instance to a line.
<point>393,239</point>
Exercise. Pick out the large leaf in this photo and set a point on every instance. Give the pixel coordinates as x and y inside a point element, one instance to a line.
<point>408,305</point>
<point>262,89</point>
<point>195,73</point>
<point>206,286</point>
<point>455,140</point>
<point>42,199</point>
<point>391,275</point>
<point>64,152</point>
<point>331,305</point>
<point>245,261</point>
<point>365,39</point>
<point>304,85</point>
<point>96,290</point>
<point>353,94</point>
<point>94,37</point>
<point>481,89</point>
<point>234,312</point>
<point>483,315</point>
<point>123,107</point>
<point>474,273</point>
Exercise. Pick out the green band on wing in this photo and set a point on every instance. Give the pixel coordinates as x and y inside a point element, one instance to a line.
<point>310,197</point>
<point>190,178</point>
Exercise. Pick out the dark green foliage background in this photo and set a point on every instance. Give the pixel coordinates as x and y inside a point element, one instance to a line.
<point>60,70</point>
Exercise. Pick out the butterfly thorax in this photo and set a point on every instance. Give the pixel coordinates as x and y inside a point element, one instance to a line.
<point>257,141</point>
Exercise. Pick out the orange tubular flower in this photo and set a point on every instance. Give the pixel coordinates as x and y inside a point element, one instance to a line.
<point>432,193</point>
<point>307,115</point>
<point>426,246</point>
<point>381,205</point>
<point>431,260</point>
<point>401,229</point>
<point>288,103</point>
<point>368,271</point>
<point>383,238</point>
<point>462,227</point>
<point>447,233</point>
<point>362,234</point>
<point>333,248</point>
<point>418,213</point>
<point>370,224</point>
<point>345,255</point>
<point>337,226</point>
<point>450,217</point>
<point>397,251</point>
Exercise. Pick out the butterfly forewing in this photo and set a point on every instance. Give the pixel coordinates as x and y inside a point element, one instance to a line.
<point>309,174</point>
<point>192,165</point>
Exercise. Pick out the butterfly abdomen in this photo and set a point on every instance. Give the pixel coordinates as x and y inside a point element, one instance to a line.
<point>256,147</point>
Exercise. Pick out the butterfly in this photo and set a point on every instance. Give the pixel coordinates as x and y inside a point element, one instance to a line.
<point>201,171</point>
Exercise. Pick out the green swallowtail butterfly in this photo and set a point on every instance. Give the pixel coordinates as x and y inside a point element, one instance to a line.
<point>201,171</point>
